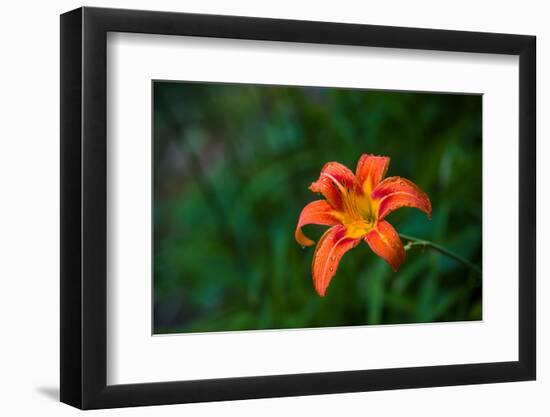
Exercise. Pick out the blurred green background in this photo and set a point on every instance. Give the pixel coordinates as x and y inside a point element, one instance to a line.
<point>232,166</point>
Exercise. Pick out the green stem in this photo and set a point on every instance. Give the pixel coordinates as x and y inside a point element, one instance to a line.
<point>414,241</point>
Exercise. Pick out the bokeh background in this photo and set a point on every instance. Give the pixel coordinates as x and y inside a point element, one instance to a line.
<point>232,166</point>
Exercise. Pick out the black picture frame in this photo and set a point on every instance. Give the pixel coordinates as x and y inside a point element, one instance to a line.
<point>84,207</point>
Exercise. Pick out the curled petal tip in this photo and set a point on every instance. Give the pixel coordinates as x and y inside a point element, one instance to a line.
<point>316,212</point>
<point>302,239</point>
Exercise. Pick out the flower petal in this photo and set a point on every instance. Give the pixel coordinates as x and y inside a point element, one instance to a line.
<point>385,242</point>
<point>334,180</point>
<point>316,212</point>
<point>396,192</point>
<point>330,249</point>
<point>370,170</point>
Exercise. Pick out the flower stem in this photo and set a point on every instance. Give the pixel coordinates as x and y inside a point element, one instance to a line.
<point>414,241</point>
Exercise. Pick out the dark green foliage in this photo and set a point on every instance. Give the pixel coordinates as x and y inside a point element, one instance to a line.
<point>232,164</point>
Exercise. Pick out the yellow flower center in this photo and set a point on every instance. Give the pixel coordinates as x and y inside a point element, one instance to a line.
<point>358,229</point>
<point>358,213</point>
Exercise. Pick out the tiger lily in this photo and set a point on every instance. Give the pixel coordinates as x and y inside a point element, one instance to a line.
<point>356,206</point>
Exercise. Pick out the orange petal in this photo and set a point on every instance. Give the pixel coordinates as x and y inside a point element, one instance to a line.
<point>335,179</point>
<point>371,169</point>
<point>385,242</point>
<point>396,192</point>
<point>330,249</point>
<point>316,212</point>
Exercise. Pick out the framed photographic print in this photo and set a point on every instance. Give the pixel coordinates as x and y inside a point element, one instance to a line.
<point>258,207</point>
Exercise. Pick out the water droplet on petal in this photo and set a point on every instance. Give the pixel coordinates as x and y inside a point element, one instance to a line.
<point>331,269</point>
<point>333,257</point>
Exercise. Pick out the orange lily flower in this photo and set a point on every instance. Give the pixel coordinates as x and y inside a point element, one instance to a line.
<point>355,206</point>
